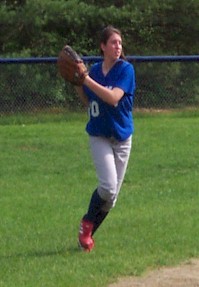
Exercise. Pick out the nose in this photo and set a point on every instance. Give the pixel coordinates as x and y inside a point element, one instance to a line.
<point>118,45</point>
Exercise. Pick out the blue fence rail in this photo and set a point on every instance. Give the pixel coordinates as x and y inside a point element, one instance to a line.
<point>37,60</point>
<point>163,82</point>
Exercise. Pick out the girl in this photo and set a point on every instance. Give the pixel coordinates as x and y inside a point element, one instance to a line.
<point>108,91</point>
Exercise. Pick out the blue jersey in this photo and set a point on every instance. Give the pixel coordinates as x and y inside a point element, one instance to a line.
<point>107,120</point>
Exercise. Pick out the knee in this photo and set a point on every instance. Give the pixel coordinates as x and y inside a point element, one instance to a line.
<point>109,195</point>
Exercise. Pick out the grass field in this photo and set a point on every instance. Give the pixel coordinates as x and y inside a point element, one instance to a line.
<point>47,177</point>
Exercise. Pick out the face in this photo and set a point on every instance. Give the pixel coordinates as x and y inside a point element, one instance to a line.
<point>113,48</point>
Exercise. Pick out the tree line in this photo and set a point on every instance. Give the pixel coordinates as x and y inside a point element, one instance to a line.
<point>37,28</point>
<point>42,27</point>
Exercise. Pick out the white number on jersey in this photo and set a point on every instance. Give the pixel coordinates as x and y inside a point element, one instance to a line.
<point>94,109</point>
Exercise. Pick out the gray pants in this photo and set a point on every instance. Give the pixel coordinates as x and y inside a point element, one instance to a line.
<point>110,158</point>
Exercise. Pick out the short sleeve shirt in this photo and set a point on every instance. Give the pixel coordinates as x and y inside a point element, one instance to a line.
<point>107,120</point>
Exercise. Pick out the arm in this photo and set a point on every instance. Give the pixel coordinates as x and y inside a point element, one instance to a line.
<point>82,96</point>
<point>111,97</point>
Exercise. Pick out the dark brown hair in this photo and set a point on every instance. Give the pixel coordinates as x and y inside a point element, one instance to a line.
<point>106,34</point>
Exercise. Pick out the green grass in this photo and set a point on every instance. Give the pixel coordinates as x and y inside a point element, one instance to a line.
<point>47,177</point>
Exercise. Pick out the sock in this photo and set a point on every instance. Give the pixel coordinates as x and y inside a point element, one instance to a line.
<point>99,219</point>
<point>95,206</point>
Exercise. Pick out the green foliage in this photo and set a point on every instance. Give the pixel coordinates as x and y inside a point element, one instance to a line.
<point>167,85</point>
<point>27,86</point>
<point>44,26</point>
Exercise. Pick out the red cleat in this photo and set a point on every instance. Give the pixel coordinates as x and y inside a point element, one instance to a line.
<point>86,241</point>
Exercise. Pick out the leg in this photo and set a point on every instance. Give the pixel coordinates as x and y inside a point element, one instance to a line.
<point>95,205</point>
<point>104,161</point>
<point>88,222</point>
<point>122,153</point>
<point>121,156</point>
<point>99,219</point>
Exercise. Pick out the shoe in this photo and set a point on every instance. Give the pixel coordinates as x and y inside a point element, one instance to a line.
<point>86,241</point>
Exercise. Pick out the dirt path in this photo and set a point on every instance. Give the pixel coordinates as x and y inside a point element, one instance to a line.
<point>186,275</point>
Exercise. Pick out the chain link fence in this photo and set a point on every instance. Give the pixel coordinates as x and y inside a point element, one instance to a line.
<point>29,85</point>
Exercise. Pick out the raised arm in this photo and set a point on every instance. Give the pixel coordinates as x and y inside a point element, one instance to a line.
<point>109,96</point>
<point>82,95</point>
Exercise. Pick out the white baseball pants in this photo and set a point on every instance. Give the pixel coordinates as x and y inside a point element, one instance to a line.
<point>110,158</point>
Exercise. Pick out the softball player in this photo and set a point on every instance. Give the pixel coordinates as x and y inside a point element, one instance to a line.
<point>108,90</point>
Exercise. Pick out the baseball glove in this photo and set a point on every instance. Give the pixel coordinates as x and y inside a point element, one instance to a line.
<point>71,67</point>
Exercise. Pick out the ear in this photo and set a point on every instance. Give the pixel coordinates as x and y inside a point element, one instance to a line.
<point>102,46</point>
